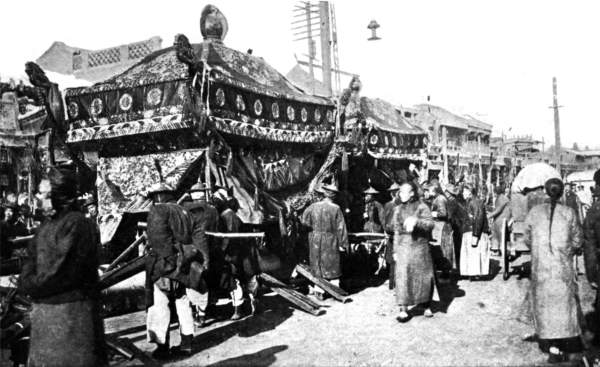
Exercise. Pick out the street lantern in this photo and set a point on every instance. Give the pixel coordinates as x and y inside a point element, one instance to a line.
<point>373,25</point>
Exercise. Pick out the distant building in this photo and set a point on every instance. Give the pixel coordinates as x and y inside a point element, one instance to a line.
<point>96,65</point>
<point>579,160</point>
<point>464,139</point>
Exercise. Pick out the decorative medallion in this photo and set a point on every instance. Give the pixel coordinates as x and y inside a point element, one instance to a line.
<point>425,141</point>
<point>373,139</point>
<point>395,141</point>
<point>125,102</point>
<point>275,110</point>
<point>416,142</point>
<point>220,96</point>
<point>386,140</point>
<point>239,103</point>
<point>73,110</point>
<point>154,96</point>
<point>258,107</point>
<point>400,141</point>
<point>330,116</point>
<point>96,107</point>
<point>304,114</point>
<point>291,114</point>
<point>317,115</point>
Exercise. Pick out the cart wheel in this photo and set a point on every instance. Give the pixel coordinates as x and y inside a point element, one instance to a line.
<point>505,254</point>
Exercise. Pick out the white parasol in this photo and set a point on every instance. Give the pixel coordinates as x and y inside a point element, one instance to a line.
<point>534,175</point>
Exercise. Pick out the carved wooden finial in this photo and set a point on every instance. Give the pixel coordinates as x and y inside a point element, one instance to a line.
<point>213,24</point>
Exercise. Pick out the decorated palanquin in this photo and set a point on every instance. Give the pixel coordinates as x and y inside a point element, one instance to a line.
<point>376,146</point>
<point>201,111</point>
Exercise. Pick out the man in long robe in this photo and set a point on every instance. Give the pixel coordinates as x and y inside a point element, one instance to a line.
<point>441,215</point>
<point>61,277</point>
<point>412,223</point>
<point>169,231</point>
<point>374,214</point>
<point>591,253</point>
<point>388,211</point>
<point>555,236</point>
<point>475,255</point>
<point>328,236</point>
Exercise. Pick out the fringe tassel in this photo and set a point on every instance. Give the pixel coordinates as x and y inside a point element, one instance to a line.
<point>229,166</point>
<point>256,198</point>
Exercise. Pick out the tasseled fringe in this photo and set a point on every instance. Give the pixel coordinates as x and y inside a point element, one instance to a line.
<point>229,166</point>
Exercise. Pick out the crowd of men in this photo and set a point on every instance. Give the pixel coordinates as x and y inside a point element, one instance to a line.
<point>186,267</point>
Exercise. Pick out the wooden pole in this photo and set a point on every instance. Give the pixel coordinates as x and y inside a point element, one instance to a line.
<point>557,145</point>
<point>126,252</point>
<point>325,45</point>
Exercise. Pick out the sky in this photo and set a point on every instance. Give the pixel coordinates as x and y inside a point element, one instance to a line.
<point>492,59</point>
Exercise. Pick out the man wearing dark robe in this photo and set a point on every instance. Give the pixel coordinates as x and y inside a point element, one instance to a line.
<point>388,211</point>
<point>204,218</point>
<point>61,277</point>
<point>373,214</point>
<point>327,237</point>
<point>571,200</point>
<point>591,253</point>
<point>167,271</point>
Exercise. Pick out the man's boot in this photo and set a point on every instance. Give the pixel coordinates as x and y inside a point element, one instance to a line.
<point>186,344</point>
<point>161,352</point>
<point>237,313</point>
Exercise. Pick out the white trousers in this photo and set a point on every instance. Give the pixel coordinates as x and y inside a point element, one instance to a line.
<point>317,289</point>
<point>159,317</point>
<point>198,300</point>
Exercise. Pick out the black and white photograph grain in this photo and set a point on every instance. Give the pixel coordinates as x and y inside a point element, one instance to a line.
<point>299,183</point>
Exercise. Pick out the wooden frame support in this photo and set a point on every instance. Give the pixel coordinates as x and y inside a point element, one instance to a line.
<point>336,292</point>
<point>293,296</point>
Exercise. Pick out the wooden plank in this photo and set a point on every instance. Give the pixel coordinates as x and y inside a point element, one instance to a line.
<point>276,283</point>
<point>336,292</point>
<point>123,272</point>
<point>295,297</point>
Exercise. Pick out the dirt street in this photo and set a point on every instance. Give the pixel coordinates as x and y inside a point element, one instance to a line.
<point>474,325</point>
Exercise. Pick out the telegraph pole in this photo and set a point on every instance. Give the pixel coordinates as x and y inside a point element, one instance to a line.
<point>325,44</point>
<point>557,145</point>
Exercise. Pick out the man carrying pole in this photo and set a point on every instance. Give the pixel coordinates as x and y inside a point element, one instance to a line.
<point>204,218</point>
<point>169,231</point>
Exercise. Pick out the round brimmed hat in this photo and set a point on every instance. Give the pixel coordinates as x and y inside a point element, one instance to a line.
<point>329,188</point>
<point>370,191</point>
<point>394,187</point>
<point>158,188</point>
<point>198,187</point>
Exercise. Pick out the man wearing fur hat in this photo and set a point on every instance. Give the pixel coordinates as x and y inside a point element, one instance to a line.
<point>327,237</point>
<point>167,270</point>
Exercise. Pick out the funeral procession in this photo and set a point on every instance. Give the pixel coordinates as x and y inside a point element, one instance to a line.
<point>299,183</point>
